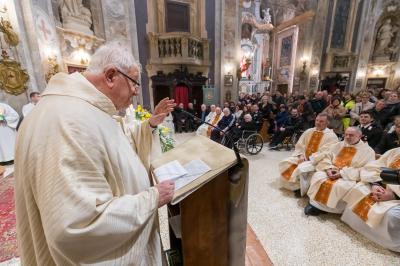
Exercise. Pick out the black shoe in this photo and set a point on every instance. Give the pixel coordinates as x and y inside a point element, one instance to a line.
<point>297,193</point>
<point>276,148</point>
<point>313,211</point>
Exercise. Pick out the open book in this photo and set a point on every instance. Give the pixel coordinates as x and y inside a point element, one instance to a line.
<point>192,164</point>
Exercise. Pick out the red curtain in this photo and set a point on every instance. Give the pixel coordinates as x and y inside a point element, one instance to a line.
<point>181,95</point>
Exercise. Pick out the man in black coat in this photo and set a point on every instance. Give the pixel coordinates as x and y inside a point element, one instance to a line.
<point>389,141</point>
<point>203,113</point>
<point>318,103</point>
<point>225,124</point>
<point>371,132</point>
<point>257,116</point>
<point>192,123</point>
<point>181,119</point>
<point>306,112</point>
<point>292,124</point>
<point>380,113</point>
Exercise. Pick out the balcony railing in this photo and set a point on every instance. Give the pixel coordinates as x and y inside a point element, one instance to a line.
<point>178,48</point>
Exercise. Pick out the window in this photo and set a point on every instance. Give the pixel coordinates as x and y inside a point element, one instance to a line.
<point>177,17</point>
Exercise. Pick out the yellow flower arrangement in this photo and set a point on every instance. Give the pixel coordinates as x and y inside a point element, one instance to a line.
<point>167,143</point>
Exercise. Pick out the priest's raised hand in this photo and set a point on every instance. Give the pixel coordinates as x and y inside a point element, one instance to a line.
<point>161,110</point>
<point>166,106</point>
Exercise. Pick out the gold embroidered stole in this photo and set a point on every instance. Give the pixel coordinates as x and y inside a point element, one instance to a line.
<point>215,120</point>
<point>324,191</point>
<point>314,142</point>
<point>396,163</point>
<point>361,209</point>
<point>343,159</point>
<point>363,206</point>
<point>288,172</point>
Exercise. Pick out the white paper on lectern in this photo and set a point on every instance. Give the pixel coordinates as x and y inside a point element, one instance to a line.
<point>169,171</point>
<point>195,169</point>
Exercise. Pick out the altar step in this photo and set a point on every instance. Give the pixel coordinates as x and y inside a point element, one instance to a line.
<point>255,252</point>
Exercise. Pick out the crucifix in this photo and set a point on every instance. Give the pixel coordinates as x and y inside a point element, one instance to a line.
<point>43,29</point>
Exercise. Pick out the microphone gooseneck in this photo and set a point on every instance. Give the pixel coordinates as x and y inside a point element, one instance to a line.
<point>235,149</point>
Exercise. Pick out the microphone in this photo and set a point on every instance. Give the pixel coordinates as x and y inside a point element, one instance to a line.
<point>235,149</point>
<point>390,176</point>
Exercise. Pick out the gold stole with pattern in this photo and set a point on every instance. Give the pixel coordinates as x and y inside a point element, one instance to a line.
<point>314,142</point>
<point>312,147</point>
<point>343,159</point>
<point>361,209</point>
<point>215,120</point>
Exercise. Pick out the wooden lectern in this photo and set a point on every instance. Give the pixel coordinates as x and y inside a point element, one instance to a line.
<point>211,212</point>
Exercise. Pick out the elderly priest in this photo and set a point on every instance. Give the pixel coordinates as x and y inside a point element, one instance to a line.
<point>83,196</point>
<point>373,209</point>
<point>337,173</point>
<point>297,169</point>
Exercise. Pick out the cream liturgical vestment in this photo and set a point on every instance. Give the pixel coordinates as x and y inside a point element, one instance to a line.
<point>83,195</point>
<point>327,194</point>
<point>9,118</point>
<point>378,221</point>
<point>311,144</point>
<point>213,119</point>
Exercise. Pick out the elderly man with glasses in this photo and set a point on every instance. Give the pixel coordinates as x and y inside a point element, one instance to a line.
<point>83,195</point>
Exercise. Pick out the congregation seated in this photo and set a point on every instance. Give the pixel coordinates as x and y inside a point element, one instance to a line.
<point>225,124</point>
<point>337,173</point>
<point>373,209</point>
<point>247,126</point>
<point>296,170</point>
<point>293,124</point>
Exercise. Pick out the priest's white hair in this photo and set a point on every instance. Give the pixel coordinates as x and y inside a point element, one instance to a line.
<point>356,129</point>
<point>112,53</point>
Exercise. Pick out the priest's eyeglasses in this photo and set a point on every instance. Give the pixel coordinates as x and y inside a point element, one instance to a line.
<point>128,77</point>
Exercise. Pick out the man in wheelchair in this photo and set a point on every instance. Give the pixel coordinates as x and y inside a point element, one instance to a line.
<point>242,129</point>
<point>292,125</point>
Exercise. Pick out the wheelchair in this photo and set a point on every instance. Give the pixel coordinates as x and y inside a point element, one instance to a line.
<point>290,141</point>
<point>250,142</point>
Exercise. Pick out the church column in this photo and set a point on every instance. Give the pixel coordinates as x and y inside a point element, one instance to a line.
<point>316,48</point>
<point>358,80</point>
<point>217,61</point>
<point>230,47</point>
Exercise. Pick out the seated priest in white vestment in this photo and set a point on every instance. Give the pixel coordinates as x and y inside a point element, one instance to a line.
<point>337,173</point>
<point>297,169</point>
<point>27,108</point>
<point>83,195</point>
<point>204,129</point>
<point>8,122</point>
<point>373,209</point>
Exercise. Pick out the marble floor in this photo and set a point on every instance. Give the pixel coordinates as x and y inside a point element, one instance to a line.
<point>288,236</point>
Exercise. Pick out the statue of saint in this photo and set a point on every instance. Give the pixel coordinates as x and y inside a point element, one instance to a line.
<point>73,12</point>
<point>384,36</point>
